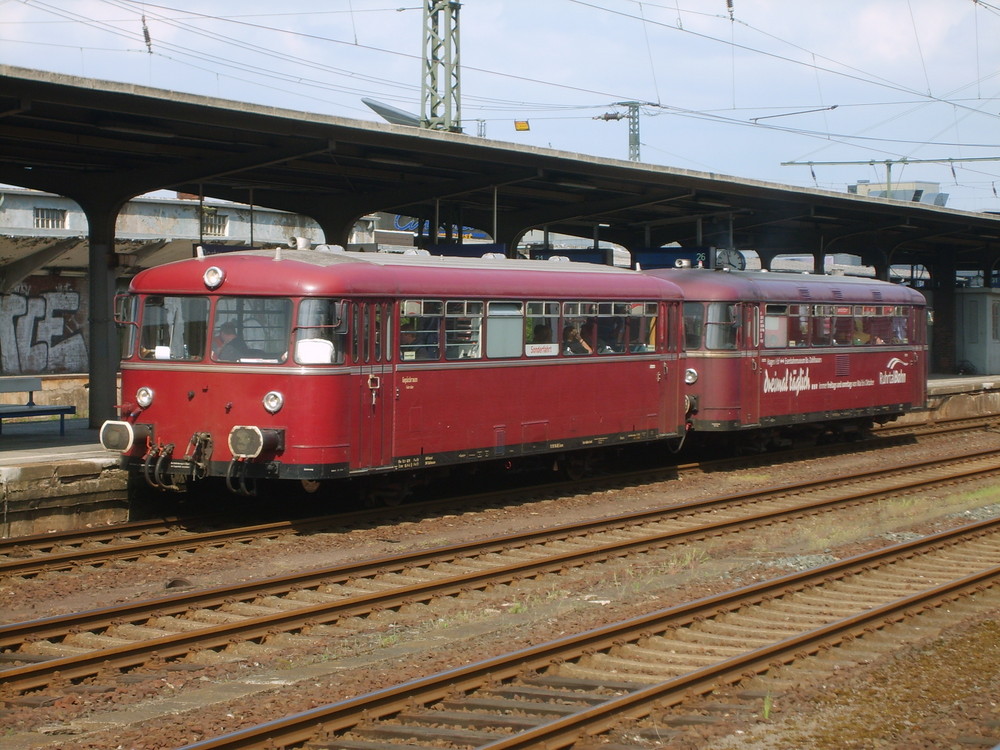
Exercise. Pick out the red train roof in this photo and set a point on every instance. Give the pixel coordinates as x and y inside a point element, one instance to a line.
<point>760,285</point>
<point>292,272</point>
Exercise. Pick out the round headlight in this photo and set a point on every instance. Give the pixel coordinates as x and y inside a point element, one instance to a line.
<point>213,277</point>
<point>144,396</point>
<point>690,376</point>
<point>273,401</point>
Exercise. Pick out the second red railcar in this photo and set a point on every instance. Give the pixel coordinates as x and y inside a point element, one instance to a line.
<point>777,350</point>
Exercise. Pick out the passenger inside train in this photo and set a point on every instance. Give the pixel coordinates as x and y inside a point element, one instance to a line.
<point>573,341</point>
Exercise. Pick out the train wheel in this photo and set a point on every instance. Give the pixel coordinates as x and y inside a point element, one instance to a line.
<point>384,493</point>
<point>574,467</point>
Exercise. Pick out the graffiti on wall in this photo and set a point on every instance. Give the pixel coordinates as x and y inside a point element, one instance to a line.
<point>42,322</point>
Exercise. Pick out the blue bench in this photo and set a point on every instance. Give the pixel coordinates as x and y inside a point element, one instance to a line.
<point>30,409</point>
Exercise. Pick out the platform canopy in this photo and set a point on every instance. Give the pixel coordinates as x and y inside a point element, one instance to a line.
<point>103,143</point>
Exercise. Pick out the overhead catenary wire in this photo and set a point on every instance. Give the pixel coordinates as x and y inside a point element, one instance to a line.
<point>314,78</point>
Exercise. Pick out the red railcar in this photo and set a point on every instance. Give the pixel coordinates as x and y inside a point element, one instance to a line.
<point>350,364</point>
<point>776,350</point>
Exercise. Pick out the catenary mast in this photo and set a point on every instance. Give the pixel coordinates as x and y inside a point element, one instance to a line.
<point>441,83</point>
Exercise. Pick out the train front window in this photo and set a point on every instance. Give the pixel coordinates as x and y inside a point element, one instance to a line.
<point>126,317</point>
<point>321,331</point>
<point>694,322</point>
<point>252,329</point>
<point>174,328</point>
<point>723,322</point>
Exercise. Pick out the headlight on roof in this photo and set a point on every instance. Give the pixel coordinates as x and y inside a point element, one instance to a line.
<point>213,277</point>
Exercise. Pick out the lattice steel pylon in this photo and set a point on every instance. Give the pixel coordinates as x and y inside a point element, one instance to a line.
<point>633,131</point>
<point>441,90</point>
<point>633,125</point>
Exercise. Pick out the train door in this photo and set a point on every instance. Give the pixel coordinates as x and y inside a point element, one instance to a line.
<point>749,345</point>
<point>372,348</point>
<point>666,336</point>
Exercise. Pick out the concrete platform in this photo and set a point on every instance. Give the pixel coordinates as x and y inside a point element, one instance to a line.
<point>958,397</point>
<point>50,481</point>
<point>38,440</point>
<point>54,482</point>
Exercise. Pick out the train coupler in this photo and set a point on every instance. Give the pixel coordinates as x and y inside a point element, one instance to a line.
<point>156,467</point>
<point>237,480</point>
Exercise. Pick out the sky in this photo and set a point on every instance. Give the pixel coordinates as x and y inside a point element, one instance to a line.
<point>732,87</point>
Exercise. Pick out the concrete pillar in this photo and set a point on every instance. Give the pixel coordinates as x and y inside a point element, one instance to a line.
<point>104,354</point>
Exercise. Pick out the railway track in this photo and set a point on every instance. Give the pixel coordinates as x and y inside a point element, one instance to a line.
<point>29,556</point>
<point>191,625</point>
<point>647,668</point>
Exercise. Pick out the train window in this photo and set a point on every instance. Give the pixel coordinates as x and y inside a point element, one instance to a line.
<point>252,329</point>
<point>463,326</point>
<point>365,332</point>
<point>421,307</point>
<point>694,324</point>
<point>420,329</point>
<point>504,329</point>
<point>751,327</point>
<point>776,326</point>
<point>577,335</point>
<point>638,326</point>
<point>174,328</point>
<point>541,323</point>
<point>790,325</point>
<point>579,309</point>
<point>899,318</point>
<point>799,318</point>
<point>722,325</point>
<point>609,327</point>
<point>843,325</point>
<point>609,333</point>
<point>873,326</point>
<point>320,332</point>
<point>663,328</point>
<point>387,330</point>
<point>822,325</point>
<point>356,332</point>
<point>126,312</point>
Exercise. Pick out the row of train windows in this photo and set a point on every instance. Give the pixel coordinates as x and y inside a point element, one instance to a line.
<point>328,331</point>
<point>467,329</point>
<point>718,325</point>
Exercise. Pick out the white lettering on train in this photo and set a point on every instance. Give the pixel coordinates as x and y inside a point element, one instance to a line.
<point>791,381</point>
